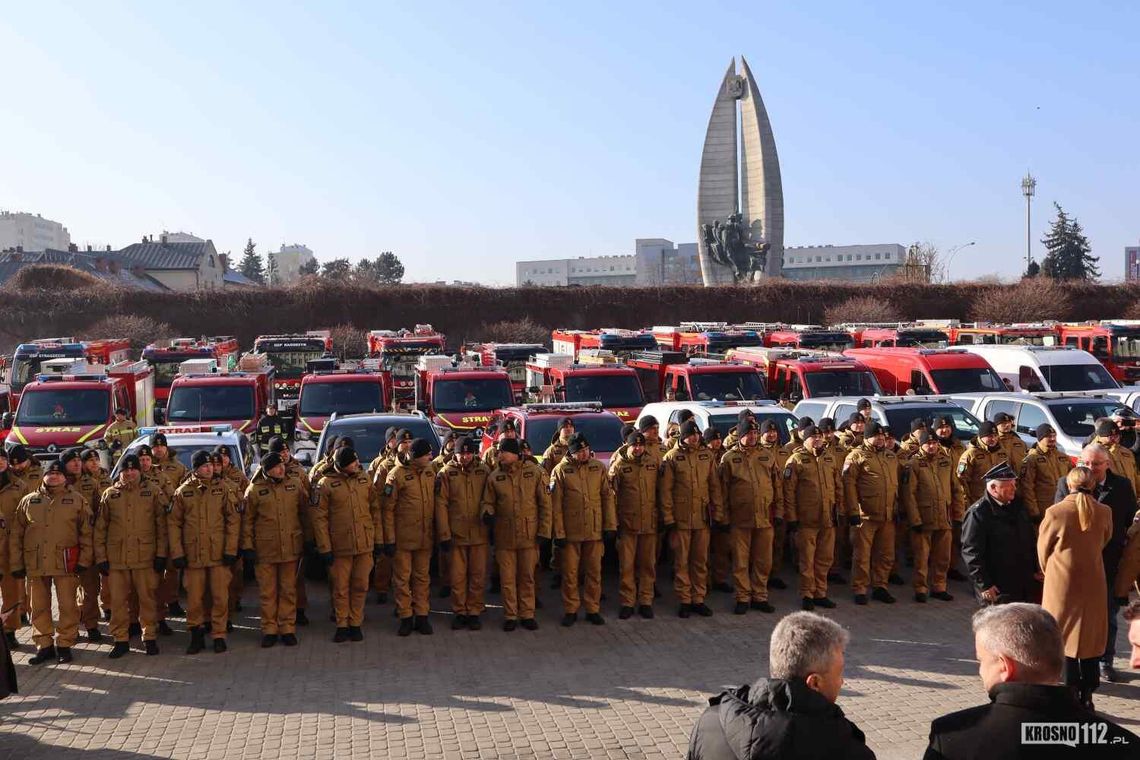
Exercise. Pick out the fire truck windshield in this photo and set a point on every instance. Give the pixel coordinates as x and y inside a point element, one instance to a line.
<point>726,386</point>
<point>164,371</point>
<point>837,342</point>
<point>325,399</point>
<point>1126,346</point>
<point>25,368</point>
<point>290,365</point>
<point>845,382</point>
<point>459,395</point>
<point>1021,340</point>
<point>194,403</point>
<point>610,390</point>
<point>64,406</point>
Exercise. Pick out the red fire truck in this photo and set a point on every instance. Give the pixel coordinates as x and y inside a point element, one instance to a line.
<point>399,351</point>
<point>459,395</point>
<point>345,390</point>
<point>617,341</point>
<point>892,335</point>
<point>71,402</point>
<point>929,371</point>
<point>598,376</point>
<point>510,356</point>
<point>809,337</point>
<point>1018,333</point>
<point>809,374</point>
<point>1114,342</point>
<point>206,394</point>
<point>671,375</point>
<point>166,356</point>
<point>28,357</point>
<point>290,355</point>
<point>705,338</point>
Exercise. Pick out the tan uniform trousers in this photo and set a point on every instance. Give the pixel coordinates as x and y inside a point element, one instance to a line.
<point>872,554</point>
<point>302,596</point>
<point>199,581</point>
<point>637,557</point>
<point>933,547</point>
<point>88,598</point>
<point>277,593</point>
<point>444,566</point>
<point>67,631</point>
<point>584,556</point>
<point>349,580</point>
<point>237,583</point>
<point>779,546</point>
<point>516,577</point>
<point>721,559</point>
<point>842,555</point>
<point>14,598</point>
<point>382,575</point>
<point>410,574</point>
<point>167,593</point>
<point>467,568</point>
<point>690,564</point>
<point>815,549</point>
<point>751,563</point>
<point>125,585</point>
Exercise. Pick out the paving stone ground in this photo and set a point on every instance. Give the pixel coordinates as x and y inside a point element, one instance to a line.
<point>629,689</point>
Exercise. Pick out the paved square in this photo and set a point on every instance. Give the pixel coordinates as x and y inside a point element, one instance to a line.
<point>630,689</point>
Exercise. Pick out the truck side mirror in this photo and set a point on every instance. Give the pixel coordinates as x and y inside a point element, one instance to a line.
<point>7,419</point>
<point>160,416</point>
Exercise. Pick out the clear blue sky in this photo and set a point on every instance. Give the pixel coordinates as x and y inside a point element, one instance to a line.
<point>466,136</point>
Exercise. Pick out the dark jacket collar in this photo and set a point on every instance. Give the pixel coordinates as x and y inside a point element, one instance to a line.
<point>1033,696</point>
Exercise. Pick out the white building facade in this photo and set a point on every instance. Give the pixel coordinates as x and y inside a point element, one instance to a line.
<point>31,232</point>
<point>289,260</point>
<point>853,263</point>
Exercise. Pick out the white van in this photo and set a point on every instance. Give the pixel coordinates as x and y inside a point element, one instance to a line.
<point>1045,368</point>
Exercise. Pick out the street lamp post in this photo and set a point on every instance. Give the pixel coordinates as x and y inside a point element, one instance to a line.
<point>950,257</point>
<point>1028,189</point>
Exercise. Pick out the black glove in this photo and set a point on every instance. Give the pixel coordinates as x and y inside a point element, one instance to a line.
<point>722,527</point>
<point>854,521</point>
<point>377,551</point>
<point>159,564</point>
<point>80,569</point>
<point>229,560</point>
<point>310,547</point>
<point>609,536</point>
<point>20,574</point>
<point>445,546</point>
<point>327,558</point>
<point>1120,601</point>
<point>249,555</point>
<point>104,568</point>
<point>180,563</point>
<point>390,550</point>
<point>667,527</point>
<point>777,521</point>
<point>558,542</point>
<point>488,519</point>
<point>793,526</point>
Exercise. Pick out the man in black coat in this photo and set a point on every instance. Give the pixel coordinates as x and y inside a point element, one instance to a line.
<point>999,543</point>
<point>793,713</point>
<point>1116,493</point>
<point>1021,656</point>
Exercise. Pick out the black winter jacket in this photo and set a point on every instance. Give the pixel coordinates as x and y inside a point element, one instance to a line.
<point>999,547</point>
<point>772,719</point>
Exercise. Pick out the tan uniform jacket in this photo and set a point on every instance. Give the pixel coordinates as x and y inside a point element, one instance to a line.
<point>272,523</point>
<point>10,495</point>
<point>956,449</point>
<point>409,508</point>
<point>131,527</point>
<point>48,523</point>
<point>346,516</point>
<point>516,496</point>
<point>581,500</point>
<point>552,456</point>
<point>92,488</point>
<point>750,482</point>
<point>634,481</point>
<point>813,488</point>
<point>174,470</point>
<point>458,502</point>
<point>121,433</point>
<point>1123,462</point>
<point>932,495</point>
<point>849,440</point>
<point>871,483</point>
<point>688,492</point>
<point>1015,449</point>
<point>203,523</point>
<point>976,462</point>
<point>908,447</point>
<point>1037,481</point>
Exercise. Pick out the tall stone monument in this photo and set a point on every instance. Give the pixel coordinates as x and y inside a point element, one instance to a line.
<point>740,199</point>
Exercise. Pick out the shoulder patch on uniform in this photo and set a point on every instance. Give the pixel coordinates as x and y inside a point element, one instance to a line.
<point>290,486</point>
<point>679,458</point>
<point>626,469</point>
<point>409,476</point>
<point>388,489</point>
<point>263,492</point>
<point>528,474</point>
<point>116,494</point>
<point>452,473</point>
<point>500,477</point>
<point>788,472</point>
<point>962,466</point>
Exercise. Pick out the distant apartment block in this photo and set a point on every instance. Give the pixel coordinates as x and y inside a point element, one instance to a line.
<point>289,260</point>
<point>31,232</point>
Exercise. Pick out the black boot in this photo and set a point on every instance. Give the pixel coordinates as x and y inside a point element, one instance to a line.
<point>121,648</point>
<point>94,636</point>
<point>42,655</point>
<point>595,618</point>
<point>625,613</point>
<point>423,625</point>
<point>268,640</point>
<point>219,646</point>
<point>355,634</point>
<point>340,636</point>
<point>702,609</point>
<point>882,595</point>
<point>807,604</point>
<point>741,608</point>
<point>823,601</point>
<point>289,639</point>
<point>529,624</point>
<point>164,629</point>
<point>197,640</point>
<point>459,622</point>
<point>63,654</point>
<point>569,619</point>
<point>407,625</point>
<point>151,647</point>
<point>301,618</point>
<point>646,611</point>
<point>474,623</point>
<point>684,610</point>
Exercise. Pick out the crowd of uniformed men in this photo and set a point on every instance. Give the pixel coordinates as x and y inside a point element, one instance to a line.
<point>728,511</point>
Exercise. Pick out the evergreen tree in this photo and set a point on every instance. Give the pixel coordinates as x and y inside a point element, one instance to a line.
<point>336,269</point>
<point>309,267</point>
<point>250,264</point>
<point>1069,254</point>
<point>389,270</point>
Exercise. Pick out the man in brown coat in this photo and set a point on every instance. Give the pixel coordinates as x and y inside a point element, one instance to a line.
<point>204,528</point>
<point>582,511</point>
<point>130,551</point>
<point>633,475</point>
<point>983,454</point>
<point>272,538</point>
<point>1041,468</point>
<point>12,590</point>
<point>932,500</point>
<point>871,490</point>
<point>458,493</point>
<point>1015,448</point>
<point>813,502</point>
<point>167,464</point>
<point>51,545</point>
<point>91,487</point>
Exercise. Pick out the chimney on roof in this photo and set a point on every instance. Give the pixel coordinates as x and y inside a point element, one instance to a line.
<point>89,248</point>
<point>72,248</point>
<point>144,238</point>
<point>163,239</point>
<point>108,249</point>
<point>19,249</point>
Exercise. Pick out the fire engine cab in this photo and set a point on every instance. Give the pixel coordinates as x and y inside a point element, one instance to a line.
<point>809,374</point>
<point>399,351</point>
<point>621,343</point>
<point>671,375</point>
<point>510,356</point>
<point>71,402</point>
<point>1114,342</point>
<point>704,338</point>
<point>290,355</point>
<point>344,390</point>
<point>598,376</point>
<point>165,357</point>
<point>459,395</point>
<point>29,357</point>
<point>206,394</point>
